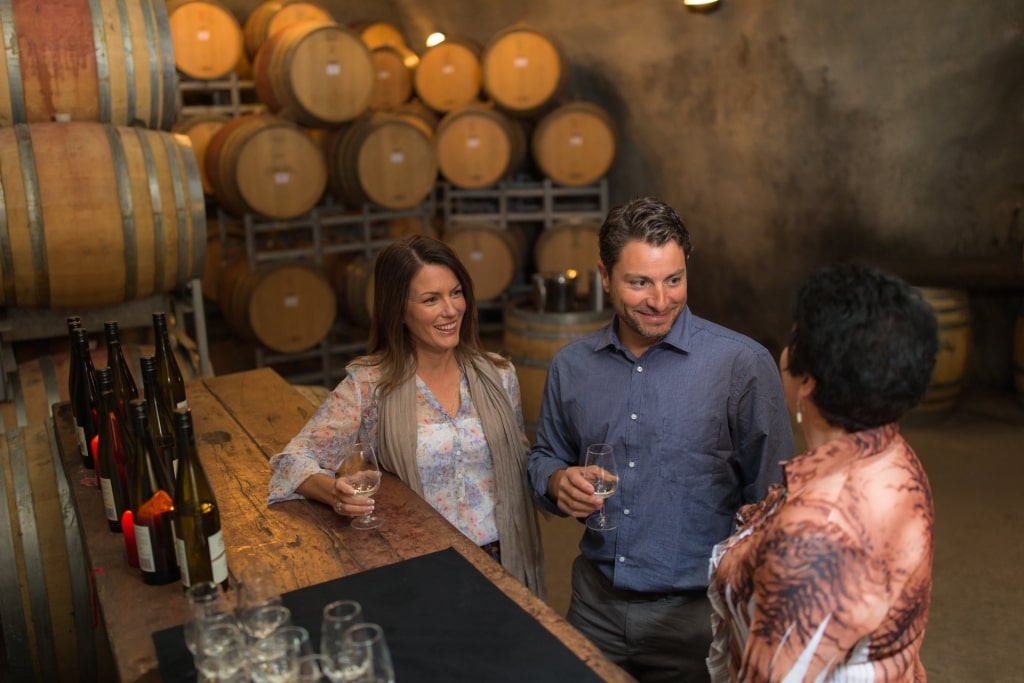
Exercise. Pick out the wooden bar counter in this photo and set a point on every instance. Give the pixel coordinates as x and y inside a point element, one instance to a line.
<point>240,421</point>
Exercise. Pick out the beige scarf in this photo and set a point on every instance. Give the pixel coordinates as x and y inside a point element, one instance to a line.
<point>518,530</point>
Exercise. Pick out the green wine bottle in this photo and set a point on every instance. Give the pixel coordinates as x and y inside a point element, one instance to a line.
<point>152,504</point>
<point>199,542</point>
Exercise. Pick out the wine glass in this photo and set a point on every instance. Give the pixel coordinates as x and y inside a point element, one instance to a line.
<point>221,653</point>
<point>368,653</point>
<point>207,604</point>
<point>360,469</point>
<point>337,617</point>
<point>257,591</point>
<point>599,469</point>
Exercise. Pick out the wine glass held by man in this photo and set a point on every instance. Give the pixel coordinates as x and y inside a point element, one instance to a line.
<point>600,471</point>
<point>830,576</point>
<point>443,414</point>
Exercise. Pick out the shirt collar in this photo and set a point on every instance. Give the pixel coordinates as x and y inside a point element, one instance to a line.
<point>678,335</point>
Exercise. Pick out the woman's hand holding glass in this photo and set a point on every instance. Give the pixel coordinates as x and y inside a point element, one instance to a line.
<point>358,475</point>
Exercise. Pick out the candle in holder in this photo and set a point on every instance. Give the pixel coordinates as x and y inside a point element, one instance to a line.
<point>128,530</point>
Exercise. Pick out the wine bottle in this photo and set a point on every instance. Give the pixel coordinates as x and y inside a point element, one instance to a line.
<point>113,455</point>
<point>199,540</point>
<point>74,372</point>
<point>152,504</point>
<point>85,401</point>
<point>161,423</point>
<point>168,374</point>
<point>125,388</point>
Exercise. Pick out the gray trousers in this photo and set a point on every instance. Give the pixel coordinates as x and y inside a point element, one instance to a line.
<point>654,637</point>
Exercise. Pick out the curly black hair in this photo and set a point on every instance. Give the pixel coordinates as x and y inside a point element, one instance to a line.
<point>868,339</point>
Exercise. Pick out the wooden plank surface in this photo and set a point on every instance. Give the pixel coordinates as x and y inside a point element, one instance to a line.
<point>240,421</point>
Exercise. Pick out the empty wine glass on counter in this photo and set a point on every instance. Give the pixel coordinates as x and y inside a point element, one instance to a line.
<point>359,467</point>
<point>221,653</point>
<point>261,621</point>
<point>600,470</point>
<point>206,604</point>
<point>272,660</point>
<point>368,654</point>
<point>338,616</point>
<point>256,590</point>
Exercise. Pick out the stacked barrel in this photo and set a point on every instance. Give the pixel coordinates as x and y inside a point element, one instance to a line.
<point>100,205</point>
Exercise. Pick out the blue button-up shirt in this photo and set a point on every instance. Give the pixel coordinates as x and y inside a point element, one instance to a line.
<point>699,426</point>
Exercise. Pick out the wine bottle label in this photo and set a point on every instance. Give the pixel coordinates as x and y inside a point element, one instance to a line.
<point>108,500</point>
<point>83,446</point>
<point>182,557</point>
<point>182,404</point>
<point>218,558</point>
<point>145,547</point>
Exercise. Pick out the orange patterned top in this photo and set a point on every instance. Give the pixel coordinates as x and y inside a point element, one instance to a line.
<point>829,578</point>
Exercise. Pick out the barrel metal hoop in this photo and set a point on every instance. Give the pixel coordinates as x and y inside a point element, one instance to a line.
<point>523,361</point>
<point>99,40</point>
<point>198,203</point>
<point>80,589</point>
<point>31,552</point>
<point>6,255</point>
<point>180,205</point>
<point>129,64</point>
<point>159,277</point>
<point>10,36</point>
<point>124,195</point>
<point>165,71</point>
<point>34,209</point>
<point>12,612</point>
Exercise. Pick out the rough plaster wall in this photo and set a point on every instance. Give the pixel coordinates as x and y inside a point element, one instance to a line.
<point>790,134</point>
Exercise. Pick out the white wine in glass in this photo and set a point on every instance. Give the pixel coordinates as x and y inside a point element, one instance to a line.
<point>599,469</point>
<point>360,469</point>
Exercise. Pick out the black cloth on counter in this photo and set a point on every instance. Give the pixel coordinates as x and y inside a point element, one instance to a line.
<point>443,621</point>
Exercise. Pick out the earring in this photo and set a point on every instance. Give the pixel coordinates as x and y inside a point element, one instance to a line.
<point>799,411</point>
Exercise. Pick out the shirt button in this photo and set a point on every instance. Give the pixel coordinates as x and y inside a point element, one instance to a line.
<point>626,511</point>
<point>639,368</point>
<point>621,559</point>
<point>632,464</point>
<point>632,416</point>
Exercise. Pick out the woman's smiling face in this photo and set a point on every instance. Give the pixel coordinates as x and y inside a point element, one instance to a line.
<point>434,310</point>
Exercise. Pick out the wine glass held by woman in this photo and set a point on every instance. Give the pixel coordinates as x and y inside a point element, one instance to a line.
<point>359,473</point>
<point>830,575</point>
<point>434,405</point>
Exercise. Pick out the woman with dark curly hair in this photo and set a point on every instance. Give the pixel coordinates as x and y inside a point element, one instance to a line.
<point>829,578</point>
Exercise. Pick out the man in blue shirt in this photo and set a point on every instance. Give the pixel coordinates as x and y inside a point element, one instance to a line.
<point>696,416</point>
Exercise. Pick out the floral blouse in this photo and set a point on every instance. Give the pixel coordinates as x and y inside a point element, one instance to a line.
<point>829,578</point>
<point>452,454</point>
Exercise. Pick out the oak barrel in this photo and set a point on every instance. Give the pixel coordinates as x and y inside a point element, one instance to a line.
<point>569,245</point>
<point>531,340</point>
<point>266,165</point>
<point>478,145</point>
<point>108,61</point>
<point>493,255</point>
<point>94,214</point>
<point>352,279</point>
<point>207,38</point>
<point>953,313</point>
<point>574,144</point>
<point>523,70</point>
<point>200,129</point>
<point>393,67</point>
<point>271,16</point>
<point>448,74</point>
<point>377,33</point>
<point>388,158</point>
<point>285,306</point>
<point>316,73</point>
<point>44,581</point>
